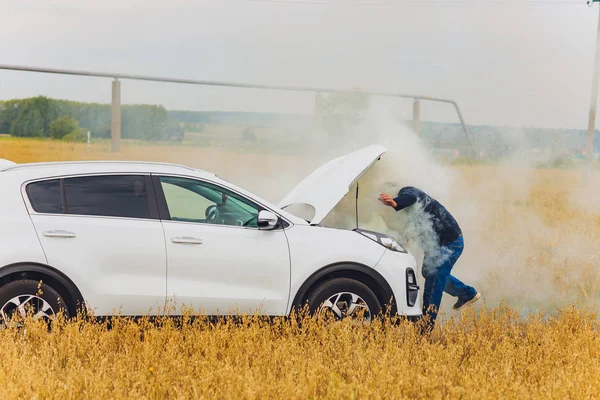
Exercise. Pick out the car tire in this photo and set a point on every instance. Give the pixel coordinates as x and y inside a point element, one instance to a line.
<point>345,297</point>
<point>25,294</point>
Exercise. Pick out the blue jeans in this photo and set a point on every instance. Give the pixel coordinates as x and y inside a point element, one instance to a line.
<point>438,280</point>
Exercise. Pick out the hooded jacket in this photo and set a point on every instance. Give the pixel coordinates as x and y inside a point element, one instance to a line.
<point>443,222</point>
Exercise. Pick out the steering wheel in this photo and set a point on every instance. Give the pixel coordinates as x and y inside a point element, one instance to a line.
<point>212,213</point>
<point>254,219</point>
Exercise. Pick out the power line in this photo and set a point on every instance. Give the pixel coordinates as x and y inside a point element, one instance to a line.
<point>424,2</point>
<point>428,3</point>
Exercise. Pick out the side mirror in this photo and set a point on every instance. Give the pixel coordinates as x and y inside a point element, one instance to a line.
<point>267,220</point>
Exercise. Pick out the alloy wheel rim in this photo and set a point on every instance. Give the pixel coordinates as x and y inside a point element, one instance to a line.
<point>346,305</point>
<point>27,304</point>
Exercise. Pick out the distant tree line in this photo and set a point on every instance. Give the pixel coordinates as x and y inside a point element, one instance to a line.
<point>338,114</point>
<point>504,140</point>
<point>34,117</point>
<point>255,119</point>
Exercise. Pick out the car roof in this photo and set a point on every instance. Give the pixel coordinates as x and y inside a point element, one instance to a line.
<point>86,167</point>
<point>19,173</point>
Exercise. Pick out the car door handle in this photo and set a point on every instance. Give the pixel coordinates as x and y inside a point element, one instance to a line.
<point>60,234</point>
<point>186,240</point>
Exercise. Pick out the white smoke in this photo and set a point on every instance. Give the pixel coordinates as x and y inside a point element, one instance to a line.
<point>406,163</point>
<point>521,246</point>
<point>414,229</point>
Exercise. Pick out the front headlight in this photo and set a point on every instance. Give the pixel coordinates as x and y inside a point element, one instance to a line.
<point>391,244</point>
<point>384,240</point>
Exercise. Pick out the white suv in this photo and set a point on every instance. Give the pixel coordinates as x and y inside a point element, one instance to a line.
<point>131,237</point>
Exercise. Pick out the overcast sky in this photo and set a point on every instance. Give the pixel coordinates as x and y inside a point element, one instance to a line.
<point>512,62</point>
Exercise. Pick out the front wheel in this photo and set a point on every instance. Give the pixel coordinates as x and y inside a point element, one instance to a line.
<point>344,298</point>
<point>28,297</point>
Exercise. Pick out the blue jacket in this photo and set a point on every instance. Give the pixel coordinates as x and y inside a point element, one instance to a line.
<point>444,223</point>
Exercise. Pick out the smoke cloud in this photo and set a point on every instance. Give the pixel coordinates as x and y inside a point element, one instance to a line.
<point>531,234</point>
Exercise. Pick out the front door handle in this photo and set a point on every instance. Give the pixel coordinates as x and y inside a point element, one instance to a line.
<point>186,240</point>
<point>60,234</point>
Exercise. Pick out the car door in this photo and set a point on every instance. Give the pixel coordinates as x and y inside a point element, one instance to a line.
<point>218,261</point>
<point>103,232</point>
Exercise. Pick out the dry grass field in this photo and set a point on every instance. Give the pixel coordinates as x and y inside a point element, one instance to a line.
<point>494,354</point>
<point>532,248</point>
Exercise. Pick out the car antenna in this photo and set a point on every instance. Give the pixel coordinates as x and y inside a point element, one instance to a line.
<point>356,205</point>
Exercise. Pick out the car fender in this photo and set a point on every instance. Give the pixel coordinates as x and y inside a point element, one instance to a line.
<point>316,250</point>
<point>384,292</point>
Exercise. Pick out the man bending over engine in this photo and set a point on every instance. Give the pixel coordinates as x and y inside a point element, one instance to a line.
<point>441,240</point>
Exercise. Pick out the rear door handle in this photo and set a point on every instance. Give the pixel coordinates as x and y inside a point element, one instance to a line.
<point>60,234</point>
<point>186,240</point>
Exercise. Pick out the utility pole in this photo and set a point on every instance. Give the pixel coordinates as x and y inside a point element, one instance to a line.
<point>115,126</point>
<point>416,122</point>
<point>594,100</point>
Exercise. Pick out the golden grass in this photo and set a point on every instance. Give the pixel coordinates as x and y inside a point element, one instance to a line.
<point>536,237</point>
<point>21,150</point>
<point>494,354</point>
<point>533,240</point>
<point>231,164</point>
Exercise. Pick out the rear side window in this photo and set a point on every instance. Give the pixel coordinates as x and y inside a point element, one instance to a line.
<point>111,196</point>
<point>46,197</point>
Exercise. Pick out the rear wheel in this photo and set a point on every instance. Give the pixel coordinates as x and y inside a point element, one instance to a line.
<point>344,298</point>
<point>26,297</point>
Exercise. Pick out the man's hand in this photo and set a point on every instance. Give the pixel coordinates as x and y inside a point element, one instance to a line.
<point>387,200</point>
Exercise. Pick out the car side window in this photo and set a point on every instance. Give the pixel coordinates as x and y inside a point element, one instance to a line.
<point>107,195</point>
<point>190,200</point>
<point>46,196</point>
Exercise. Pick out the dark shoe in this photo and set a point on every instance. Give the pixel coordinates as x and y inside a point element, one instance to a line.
<point>461,303</point>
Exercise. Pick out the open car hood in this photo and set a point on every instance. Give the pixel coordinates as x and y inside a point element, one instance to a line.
<point>329,183</point>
